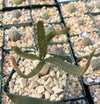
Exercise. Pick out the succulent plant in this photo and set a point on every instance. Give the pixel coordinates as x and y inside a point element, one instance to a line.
<point>16,13</point>
<point>42,42</point>
<point>86,41</point>
<point>14,36</point>
<point>49,29</point>
<point>96,63</point>
<point>45,15</point>
<point>58,51</point>
<point>71,8</point>
<point>79,22</point>
<point>16,1</point>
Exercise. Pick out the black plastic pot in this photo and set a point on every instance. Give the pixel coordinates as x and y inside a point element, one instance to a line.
<point>94,92</point>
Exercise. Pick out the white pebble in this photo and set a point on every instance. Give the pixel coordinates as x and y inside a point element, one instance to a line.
<point>47,95</point>
<point>40,89</point>
<point>22,82</point>
<point>89,80</point>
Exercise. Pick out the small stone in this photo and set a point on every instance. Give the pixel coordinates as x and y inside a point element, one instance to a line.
<point>51,84</point>
<point>58,74</point>
<point>22,82</point>
<point>45,69</point>
<point>64,76</point>
<point>89,80</point>
<point>40,89</point>
<point>57,90</point>
<point>52,74</point>
<point>36,95</point>
<point>41,81</point>
<point>47,95</point>
<point>98,102</point>
<point>33,85</point>
<point>14,76</point>
<point>98,97</point>
<point>48,89</point>
<point>49,80</point>
<point>36,62</point>
<point>98,79</point>
<point>45,77</point>
<point>35,78</point>
<point>61,96</point>
<point>52,97</point>
<point>11,84</point>
<point>63,82</point>
<point>95,99</point>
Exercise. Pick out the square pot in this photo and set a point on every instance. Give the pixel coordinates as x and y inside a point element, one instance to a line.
<point>80,49</point>
<point>26,40</point>
<point>8,3</point>
<point>52,14</point>
<point>22,16</point>
<point>79,8</point>
<point>77,28</point>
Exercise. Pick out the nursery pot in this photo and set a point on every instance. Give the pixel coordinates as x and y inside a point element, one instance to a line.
<point>19,99</point>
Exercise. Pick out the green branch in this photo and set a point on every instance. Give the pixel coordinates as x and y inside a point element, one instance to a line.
<point>41,40</point>
<point>23,54</point>
<point>50,36</point>
<point>32,73</point>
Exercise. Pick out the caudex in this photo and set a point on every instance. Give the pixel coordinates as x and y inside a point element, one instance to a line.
<point>58,60</point>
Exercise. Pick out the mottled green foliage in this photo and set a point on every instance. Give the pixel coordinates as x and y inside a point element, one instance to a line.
<point>50,36</point>
<point>71,8</point>
<point>86,41</point>
<point>65,66</point>
<point>14,35</point>
<point>65,57</point>
<point>23,54</point>
<point>16,1</point>
<point>42,41</point>
<point>96,63</point>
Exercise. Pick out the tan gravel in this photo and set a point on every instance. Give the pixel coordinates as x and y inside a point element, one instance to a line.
<point>8,3</point>
<point>97,20</point>
<point>1,6</point>
<point>95,91</point>
<point>34,2</point>
<point>92,6</point>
